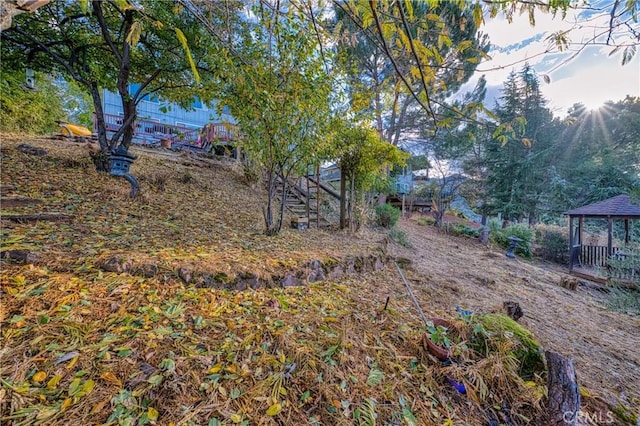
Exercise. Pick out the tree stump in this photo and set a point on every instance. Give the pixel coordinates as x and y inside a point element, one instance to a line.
<point>563,403</point>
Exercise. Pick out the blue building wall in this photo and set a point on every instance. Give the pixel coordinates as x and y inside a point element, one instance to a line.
<point>155,109</point>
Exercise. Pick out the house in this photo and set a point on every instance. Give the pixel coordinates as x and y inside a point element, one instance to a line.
<point>160,120</point>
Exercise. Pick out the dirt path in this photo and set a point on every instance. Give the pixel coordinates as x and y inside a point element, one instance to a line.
<point>450,271</point>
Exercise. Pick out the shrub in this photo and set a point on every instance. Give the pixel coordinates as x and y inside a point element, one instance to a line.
<point>387,216</point>
<point>500,236</point>
<point>460,229</point>
<point>425,221</point>
<point>553,243</point>
<point>399,237</point>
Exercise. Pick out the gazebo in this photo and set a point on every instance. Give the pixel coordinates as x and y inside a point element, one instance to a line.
<point>619,207</point>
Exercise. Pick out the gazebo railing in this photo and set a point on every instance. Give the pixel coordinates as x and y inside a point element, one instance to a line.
<point>596,256</point>
<point>621,264</point>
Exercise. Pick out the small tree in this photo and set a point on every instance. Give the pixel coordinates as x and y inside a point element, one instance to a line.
<point>273,80</point>
<point>363,157</point>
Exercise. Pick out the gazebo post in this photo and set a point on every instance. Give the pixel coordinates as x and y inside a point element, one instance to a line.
<point>626,231</point>
<point>609,236</point>
<point>580,219</point>
<point>570,243</point>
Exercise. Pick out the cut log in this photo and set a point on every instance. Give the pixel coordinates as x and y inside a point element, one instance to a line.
<point>36,216</point>
<point>6,202</point>
<point>563,404</point>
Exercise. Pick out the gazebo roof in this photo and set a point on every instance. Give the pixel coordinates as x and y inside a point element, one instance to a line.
<point>618,206</point>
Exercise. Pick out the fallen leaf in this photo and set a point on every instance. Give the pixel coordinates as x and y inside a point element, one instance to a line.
<point>274,410</point>
<point>39,376</point>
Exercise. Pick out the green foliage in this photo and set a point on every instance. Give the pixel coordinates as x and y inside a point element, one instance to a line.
<point>399,237</point>
<point>23,110</point>
<point>363,156</point>
<point>500,237</point>
<point>387,216</point>
<point>426,221</point>
<point>553,243</point>
<point>463,230</point>
<point>490,329</point>
<point>624,300</point>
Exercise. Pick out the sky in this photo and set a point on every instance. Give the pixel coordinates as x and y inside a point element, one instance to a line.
<point>592,78</point>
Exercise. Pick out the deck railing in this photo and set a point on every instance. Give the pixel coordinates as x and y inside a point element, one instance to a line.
<point>148,131</point>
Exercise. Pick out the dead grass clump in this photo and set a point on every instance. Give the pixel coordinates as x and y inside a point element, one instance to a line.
<point>156,179</point>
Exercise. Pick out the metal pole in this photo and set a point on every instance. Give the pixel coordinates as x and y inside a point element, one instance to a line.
<point>413,297</point>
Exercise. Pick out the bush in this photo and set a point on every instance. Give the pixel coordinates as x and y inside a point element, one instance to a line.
<point>553,243</point>
<point>500,236</point>
<point>387,216</point>
<point>462,230</point>
<point>426,221</point>
<point>399,237</point>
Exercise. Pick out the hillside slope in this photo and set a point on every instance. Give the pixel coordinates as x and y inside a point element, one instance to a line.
<point>88,346</point>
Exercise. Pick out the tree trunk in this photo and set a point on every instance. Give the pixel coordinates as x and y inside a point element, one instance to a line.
<point>563,403</point>
<point>100,158</point>
<point>352,202</point>
<point>128,102</point>
<point>283,204</point>
<point>268,214</point>
<point>343,199</point>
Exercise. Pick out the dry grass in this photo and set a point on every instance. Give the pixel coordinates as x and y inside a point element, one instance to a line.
<point>87,347</point>
<point>449,271</point>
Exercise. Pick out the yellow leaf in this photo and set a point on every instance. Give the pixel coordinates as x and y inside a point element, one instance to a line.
<point>72,363</point>
<point>152,414</point>
<point>87,387</point>
<point>99,406</point>
<point>53,382</point>
<point>236,418</point>
<point>39,376</point>
<point>282,358</point>
<point>134,34</point>
<point>66,404</point>
<point>274,410</point>
<point>215,369</point>
<point>185,45</point>
<point>110,377</point>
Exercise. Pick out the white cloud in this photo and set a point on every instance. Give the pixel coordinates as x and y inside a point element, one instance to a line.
<point>591,78</point>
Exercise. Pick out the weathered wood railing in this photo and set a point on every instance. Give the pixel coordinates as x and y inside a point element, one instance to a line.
<point>596,255</point>
<point>148,131</point>
<point>620,265</point>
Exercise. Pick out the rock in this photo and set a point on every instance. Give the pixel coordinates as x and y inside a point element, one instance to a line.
<point>291,281</point>
<point>31,150</point>
<point>185,274</point>
<point>19,256</point>
<point>205,281</point>
<point>317,273</point>
<point>149,270</point>
<point>335,272</point>
<point>513,309</point>
<point>314,264</point>
<point>351,266</point>
<point>248,281</point>
<point>378,264</point>
<point>117,264</point>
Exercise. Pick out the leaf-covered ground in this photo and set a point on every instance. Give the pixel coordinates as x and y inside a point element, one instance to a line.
<point>85,346</point>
